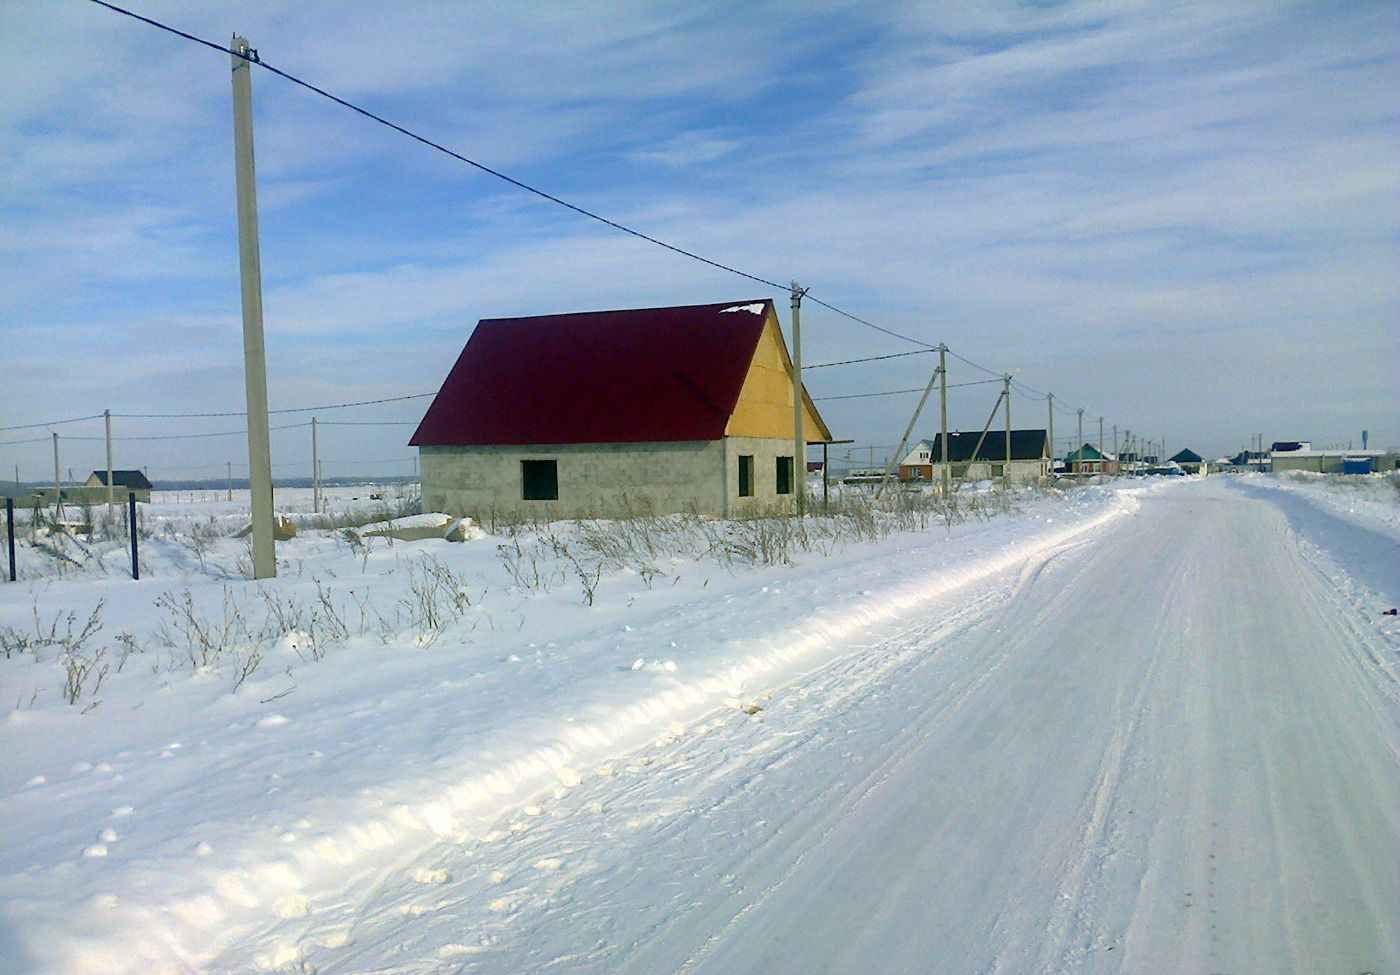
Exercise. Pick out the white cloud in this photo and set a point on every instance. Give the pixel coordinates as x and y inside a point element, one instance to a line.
<point>1121,199</point>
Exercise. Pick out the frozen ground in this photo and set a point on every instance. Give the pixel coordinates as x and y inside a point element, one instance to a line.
<point>1144,729</point>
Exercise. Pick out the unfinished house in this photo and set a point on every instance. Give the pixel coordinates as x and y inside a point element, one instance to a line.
<point>606,414</point>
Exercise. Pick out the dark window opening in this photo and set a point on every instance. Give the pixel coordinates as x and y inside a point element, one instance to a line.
<point>745,475</point>
<point>539,480</point>
<point>784,475</point>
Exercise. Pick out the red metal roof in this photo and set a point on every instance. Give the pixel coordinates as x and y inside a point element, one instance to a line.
<point>645,374</point>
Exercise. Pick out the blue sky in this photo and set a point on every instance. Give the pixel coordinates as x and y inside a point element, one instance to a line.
<point>1184,217</point>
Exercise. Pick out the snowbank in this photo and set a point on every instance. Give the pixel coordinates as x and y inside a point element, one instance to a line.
<point>177,818</point>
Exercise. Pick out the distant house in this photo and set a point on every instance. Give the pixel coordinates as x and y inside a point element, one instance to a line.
<point>1250,460</point>
<point>1088,460</point>
<point>125,482</point>
<point>1188,460</point>
<point>604,414</point>
<point>917,465</point>
<point>1332,461</point>
<point>1030,457</point>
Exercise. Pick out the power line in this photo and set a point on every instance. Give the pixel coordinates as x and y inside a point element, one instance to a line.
<point>975,365</point>
<point>252,58</point>
<point>867,323</point>
<point>369,423</point>
<point>900,392</point>
<point>52,423</point>
<point>869,358</point>
<point>892,392</point>
<point>191,436</point>
<point>293,409</point>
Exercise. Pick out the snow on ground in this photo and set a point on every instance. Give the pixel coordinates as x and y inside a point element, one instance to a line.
<point>1167,745</point>
<point>1369,500</point>
<point>242,764</point>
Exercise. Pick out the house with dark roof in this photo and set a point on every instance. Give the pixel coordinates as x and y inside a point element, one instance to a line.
<point>1188,460</point>
<point>1030,457</point>
<point>124,482</point>
<point>604,414</point>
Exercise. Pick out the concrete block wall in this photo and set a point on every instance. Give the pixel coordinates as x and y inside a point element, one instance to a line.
<point>607,480</point>
<point>595,480</point>
<point>1022,471</point>
<point>765,452</point>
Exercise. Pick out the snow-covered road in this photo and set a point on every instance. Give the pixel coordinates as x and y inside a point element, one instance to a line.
<point>1171,746</point>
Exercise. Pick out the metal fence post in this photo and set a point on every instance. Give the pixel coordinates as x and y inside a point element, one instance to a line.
<point>131,520</point>
<point>10,532</point>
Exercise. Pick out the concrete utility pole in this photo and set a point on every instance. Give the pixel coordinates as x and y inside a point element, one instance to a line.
<point>315,471</point>
<point>799,442</point>
<point>228,464</point>
<point>943,420</point>
<point>1006,394</point>
<point>1102,464</point>
<point>111,497</point>
<point>1117,456</point>
<point>908,432</point>
<point>1079,447</point>
<point>57,489</point>
<point>1050,398</point>
<point>254,354</point>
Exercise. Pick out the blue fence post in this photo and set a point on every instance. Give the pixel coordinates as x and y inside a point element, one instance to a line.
<point>131,520</point>
<point>10,531</point>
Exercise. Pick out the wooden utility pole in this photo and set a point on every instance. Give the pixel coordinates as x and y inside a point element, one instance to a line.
<point>1050,398</point>
<point>315,470</point>
<point>799,442</point>
<point>254,353</point>
<point>111,497</point>
<point>943,421</point>
<point>1103,465</point>
<point>1006,395</point>
<point>228,464</point>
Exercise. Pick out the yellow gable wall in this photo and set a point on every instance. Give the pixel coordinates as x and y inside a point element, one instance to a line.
<point>765,401</point>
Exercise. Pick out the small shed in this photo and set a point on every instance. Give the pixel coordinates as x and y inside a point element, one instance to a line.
<point>612,413</point>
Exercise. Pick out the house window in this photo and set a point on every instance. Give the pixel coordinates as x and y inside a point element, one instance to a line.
<point>784,475</point>
<point>746,475</point>
<point>539,480</point>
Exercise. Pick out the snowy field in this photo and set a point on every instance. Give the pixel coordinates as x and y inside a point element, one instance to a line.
<point>1371,501</point>
<point>1141,726</point>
